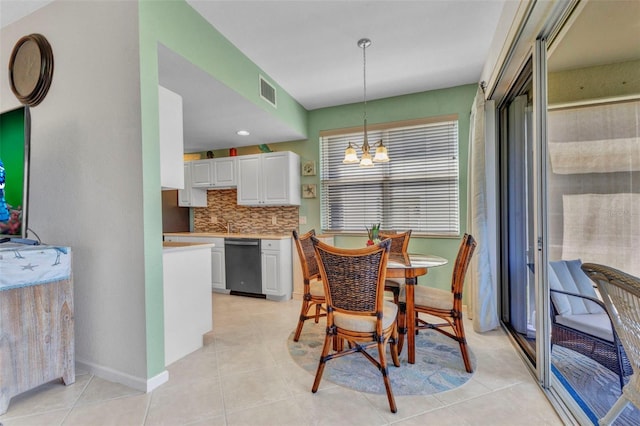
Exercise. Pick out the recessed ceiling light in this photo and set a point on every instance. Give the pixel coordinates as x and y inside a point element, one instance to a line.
<point>243,133</point>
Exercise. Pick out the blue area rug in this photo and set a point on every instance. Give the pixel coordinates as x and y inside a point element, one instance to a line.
<point>438,366</point>
<point>596,386</point>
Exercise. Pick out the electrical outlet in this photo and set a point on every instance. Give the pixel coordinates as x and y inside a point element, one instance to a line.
<point>302,220</point>
<point>214,219</point>
<point>274,220</point>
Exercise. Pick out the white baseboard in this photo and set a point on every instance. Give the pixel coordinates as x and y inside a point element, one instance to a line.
<point>137,383</point>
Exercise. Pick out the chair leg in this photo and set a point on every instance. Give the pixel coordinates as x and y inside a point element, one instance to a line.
<point>402,325</point>
<point>458,328</point>
<point>394,347</point>
<point>385,376</point>
<point>329,338</point>
<point>318,306</point>
<point>303,313</point>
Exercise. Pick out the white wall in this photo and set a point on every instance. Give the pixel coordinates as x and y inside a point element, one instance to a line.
<point>86,173</point>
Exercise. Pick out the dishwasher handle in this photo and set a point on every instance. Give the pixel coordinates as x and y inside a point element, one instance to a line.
<point>229,242</point>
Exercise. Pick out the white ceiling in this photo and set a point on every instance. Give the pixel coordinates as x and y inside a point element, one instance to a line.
<point>309,48</point>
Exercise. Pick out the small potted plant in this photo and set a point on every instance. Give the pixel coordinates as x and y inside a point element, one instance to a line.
<point>372,233</point>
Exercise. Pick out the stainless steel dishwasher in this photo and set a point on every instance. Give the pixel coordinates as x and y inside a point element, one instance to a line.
<point>243,266</point>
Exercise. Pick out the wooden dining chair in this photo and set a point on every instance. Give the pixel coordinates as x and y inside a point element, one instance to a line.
<point>313,287</point>
<point>446,305</point>
<point>356,310</point>
<point>399,244</point>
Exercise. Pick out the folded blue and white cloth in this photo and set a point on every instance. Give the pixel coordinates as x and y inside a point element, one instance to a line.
<point>27,265</point>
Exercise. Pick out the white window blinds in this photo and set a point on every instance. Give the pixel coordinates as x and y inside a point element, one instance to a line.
<point>417,189</point>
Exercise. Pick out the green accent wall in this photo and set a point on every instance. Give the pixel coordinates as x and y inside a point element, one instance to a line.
<point>455,100</point>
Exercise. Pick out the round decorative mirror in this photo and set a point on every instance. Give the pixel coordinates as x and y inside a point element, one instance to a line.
<point>31,69</point>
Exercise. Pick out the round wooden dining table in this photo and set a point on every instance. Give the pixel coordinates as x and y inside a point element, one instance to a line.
<point>410,266</point>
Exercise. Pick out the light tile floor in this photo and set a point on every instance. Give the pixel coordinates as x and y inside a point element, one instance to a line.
<point>245,376</point>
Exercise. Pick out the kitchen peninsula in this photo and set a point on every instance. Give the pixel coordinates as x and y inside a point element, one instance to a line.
<point>186,268</point>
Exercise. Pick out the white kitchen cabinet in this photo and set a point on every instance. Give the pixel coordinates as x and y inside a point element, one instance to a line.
<point>218,281</point>
<point>189,196</point>
<point>277,279</point>
<point>224,172</point>
<point>170,128</point>
<point>214,173</point>
<point>201,173</point>
<point>271,179</point>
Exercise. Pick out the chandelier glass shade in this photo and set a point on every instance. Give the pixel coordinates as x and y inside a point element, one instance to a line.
<point>350,154</point>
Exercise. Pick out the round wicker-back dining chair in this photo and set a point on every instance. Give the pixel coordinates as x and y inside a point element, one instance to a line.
<point>313,287</point>
<point>399,244</point>
<point>356,310</point>
<point>443,304</point>
<point>621,296</point>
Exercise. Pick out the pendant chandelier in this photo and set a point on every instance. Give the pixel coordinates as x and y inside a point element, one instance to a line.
<point>350,155</point>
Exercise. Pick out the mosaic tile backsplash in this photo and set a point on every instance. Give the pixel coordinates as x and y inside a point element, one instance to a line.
<point>221,205</point>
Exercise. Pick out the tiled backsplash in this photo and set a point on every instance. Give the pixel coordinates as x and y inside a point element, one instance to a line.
<point>221,204</point>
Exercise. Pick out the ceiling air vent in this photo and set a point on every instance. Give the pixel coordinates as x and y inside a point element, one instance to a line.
<point>267,91</point>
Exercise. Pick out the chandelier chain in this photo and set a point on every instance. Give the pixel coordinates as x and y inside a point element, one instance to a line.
<point>364,78</point>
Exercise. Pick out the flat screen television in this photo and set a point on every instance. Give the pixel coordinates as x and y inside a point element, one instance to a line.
<point>15,129</point>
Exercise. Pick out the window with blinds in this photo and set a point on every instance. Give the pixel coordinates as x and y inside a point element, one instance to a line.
<point>418,189</point>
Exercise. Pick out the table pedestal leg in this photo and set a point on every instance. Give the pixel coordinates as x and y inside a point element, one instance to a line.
<point>411,319</point>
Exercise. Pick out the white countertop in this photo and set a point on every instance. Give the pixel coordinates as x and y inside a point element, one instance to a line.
<point>171,246</point>
<point>229,235</point>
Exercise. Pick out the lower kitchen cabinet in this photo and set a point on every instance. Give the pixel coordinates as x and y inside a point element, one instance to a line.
<point>218,281</point>
<point>275,258</point>
<point>277,277</point>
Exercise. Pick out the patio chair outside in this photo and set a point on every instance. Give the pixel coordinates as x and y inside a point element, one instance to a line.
<point>621,295</point>
<point>580,321</point>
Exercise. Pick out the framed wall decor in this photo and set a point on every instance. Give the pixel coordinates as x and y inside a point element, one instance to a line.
<point>309,168</point>
<point>309,190</point>
<point>31,69</point>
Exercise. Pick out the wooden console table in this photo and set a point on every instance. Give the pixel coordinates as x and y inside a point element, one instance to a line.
<point>36,318</point>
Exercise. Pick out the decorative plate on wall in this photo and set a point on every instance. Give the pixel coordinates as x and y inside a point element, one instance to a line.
<point>309,168</point>
<point>31,69</point>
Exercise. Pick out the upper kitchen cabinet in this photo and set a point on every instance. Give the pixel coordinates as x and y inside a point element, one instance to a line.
<point>190,196</point>
<point>270,179</point>
<point>171,139</point>
<point>214,173</point>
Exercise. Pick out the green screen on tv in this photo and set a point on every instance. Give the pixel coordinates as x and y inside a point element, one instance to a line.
<point>12,172</point>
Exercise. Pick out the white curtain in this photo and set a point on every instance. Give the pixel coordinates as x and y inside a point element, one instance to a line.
<point>483,300</point>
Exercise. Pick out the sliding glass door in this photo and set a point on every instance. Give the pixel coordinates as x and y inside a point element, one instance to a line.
<point>569,150</point>
<point>592,193</point>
